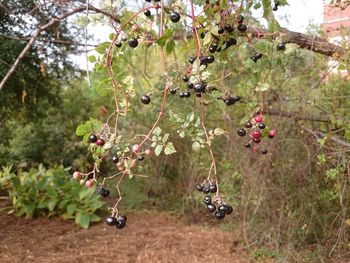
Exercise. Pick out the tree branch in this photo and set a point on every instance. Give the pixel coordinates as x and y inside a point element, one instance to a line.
<point>313,43</point>
<point>44,27</point>
<point>56,41</point>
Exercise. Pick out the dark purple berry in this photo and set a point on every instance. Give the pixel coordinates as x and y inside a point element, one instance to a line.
<point>207,200</point>
<point>241,132</point>
<point>111,221</point>
<point>92,138</point>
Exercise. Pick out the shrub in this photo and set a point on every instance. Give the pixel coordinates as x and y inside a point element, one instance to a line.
<point>50,192</point>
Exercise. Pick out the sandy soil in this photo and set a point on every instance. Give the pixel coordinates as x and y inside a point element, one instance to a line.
<point>146,238</point>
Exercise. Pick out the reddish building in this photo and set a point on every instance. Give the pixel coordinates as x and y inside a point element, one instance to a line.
<point>336,22</point>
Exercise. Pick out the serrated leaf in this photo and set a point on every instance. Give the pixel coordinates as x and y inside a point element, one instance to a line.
<point>169,148</point>
<point>157,131</point>
<point>158,150</point>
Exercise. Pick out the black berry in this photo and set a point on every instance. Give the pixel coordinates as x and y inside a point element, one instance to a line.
<point>262,125</point>
<point>185,78</point>
<point>173,91</point>
<point>199,187</point>
<point>281,47</point>
<point>174,17</point>
<point>111,221</point>
<point>242,28</point>
<point>207,200</point>
<point>228,28</point>
<point>206,190</point>
<point>191,60</point>
<point>241,132</point>
<point>147,13</point>
<point>240,19</point>
<point>213,188</point>
<point>219,215</point>
<point>210,59</point>
<point>133,42</point>
<point>115,159</point>
<point>187,94</point>
<point>118,44</point>
<point>92,138</point>
<point>145,99</point>
<point>211,208</point>
<point>199,87</point>
<point>213,47</point>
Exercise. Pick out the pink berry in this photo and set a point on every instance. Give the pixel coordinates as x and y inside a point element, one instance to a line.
<point>100,142</point>
<point>76,175</point>
<point>136,148</point>
<point>272,134</point>
<point>148,152</point>
<point>258,119</point>
<point>89,183</point>
<point>256,134</point>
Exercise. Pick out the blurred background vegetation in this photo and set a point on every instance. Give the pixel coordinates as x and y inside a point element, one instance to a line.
<point>291,203</point>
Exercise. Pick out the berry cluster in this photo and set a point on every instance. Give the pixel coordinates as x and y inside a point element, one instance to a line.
<point>214,205</point>
<point>119,221</point>
<point>257,131</point>
<point>94,139</point>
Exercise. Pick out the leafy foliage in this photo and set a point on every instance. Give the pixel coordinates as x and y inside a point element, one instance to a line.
<point>51,192</point>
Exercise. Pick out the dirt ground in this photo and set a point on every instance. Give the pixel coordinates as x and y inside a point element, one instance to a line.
<point>146,238</point>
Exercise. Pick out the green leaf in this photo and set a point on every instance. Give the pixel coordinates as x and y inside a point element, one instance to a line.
<point>157,131</point>
<point>165,138</point>
<point>158,150</point>
<point>161,41</point>
<point>92,58</point>
<point>170,45</point>
<point>51,204</point>
<point>94,218</point>
<point>81,130</point>
<point>71,208</point>
<point>83,220</point>
<point>207,39</point>
<point>169,148</point>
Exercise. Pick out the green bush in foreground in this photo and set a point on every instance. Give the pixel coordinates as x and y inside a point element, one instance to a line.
<point>52,192</point>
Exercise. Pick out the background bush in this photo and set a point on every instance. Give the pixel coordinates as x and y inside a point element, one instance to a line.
<point>50,192</point>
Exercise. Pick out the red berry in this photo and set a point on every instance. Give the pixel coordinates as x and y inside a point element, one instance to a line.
<point>272,134</point>
<point>89,183</point>
<point>136,148</point>
<point>76,175</point>
<point>100,142</point>
<point>258,119</point>
<point>256,134</point>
